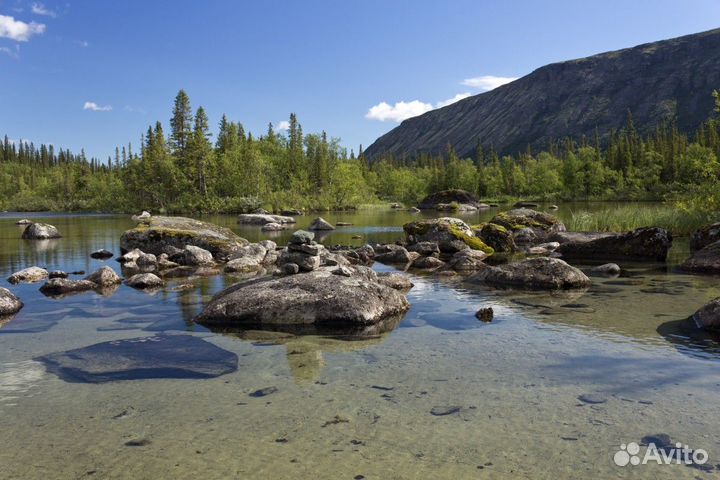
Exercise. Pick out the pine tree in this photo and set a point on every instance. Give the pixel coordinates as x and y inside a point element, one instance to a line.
<point>180,124</point>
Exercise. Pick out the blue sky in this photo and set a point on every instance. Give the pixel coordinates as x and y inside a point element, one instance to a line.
<point>95,74</point>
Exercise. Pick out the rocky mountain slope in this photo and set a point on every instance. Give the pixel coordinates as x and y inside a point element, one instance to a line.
<point>665,80</point>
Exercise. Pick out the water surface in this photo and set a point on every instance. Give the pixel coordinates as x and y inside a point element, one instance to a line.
<point>338,408</point>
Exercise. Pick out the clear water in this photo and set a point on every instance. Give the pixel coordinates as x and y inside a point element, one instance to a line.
<point>345,409</point>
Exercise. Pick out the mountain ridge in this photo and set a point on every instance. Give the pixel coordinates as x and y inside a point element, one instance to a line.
<point>666,80</point>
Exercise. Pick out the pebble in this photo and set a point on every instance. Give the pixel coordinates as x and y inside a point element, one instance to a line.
<point>263,392</point>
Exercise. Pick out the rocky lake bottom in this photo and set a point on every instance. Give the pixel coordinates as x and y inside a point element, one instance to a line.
<point>551,388</point>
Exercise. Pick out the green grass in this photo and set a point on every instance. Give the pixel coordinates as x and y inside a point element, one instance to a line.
<point>632,216</point>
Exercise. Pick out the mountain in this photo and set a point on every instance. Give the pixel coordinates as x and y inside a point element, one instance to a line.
<point>665,80</point>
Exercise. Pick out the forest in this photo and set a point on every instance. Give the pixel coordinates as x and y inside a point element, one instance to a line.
<point>189,169</point>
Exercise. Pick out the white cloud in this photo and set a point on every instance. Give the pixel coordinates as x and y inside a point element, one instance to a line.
<point>284,125</point>
<point>487,82</point>
<point>452,100</point>
<point>39,9</point>
<point>17,30</point>
<point>14,53</point>
<point>383,111</point>
<point>96,108</point>
<point>83,43</point>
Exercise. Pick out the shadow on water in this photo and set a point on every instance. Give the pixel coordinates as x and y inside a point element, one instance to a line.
<point>160,356</point>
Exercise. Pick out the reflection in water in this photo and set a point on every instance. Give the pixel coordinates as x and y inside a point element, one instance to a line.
<point>305,353</point>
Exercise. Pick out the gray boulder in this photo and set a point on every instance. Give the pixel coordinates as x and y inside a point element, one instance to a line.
<point>704,236</point>
<point>272,227</point>
<point>146,261</point>
<point>264,219</point>
<point>62,286</point>
<point>466,261</point>
<point>533,273</point>
<point>427,263</point>
<point>196,256</point>
<point>158,233</point>
<point>318,298</point>
<point>104,277</point>
<point>9,303</point>
<point>40,231</point>
<point>424,248</point>
<point>641,243</point>
<point>144,281</point>
<point>321,224</point>
<point>28,275</point>
<point>396,281</point>
<point>242,265</point>
<point>396,254</point>
<point>607,269</point>
<point>708,317</point>
<point>705,260</point>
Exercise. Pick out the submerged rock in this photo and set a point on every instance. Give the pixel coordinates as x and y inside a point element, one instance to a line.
<point>450,234</point>
<point>485,314</point>
<point>317,298</point>
<point>28,275</point>
<point>9,303</point>
<point>641,243</point>
<point>264,219</point>
<point>704,236</point>
<point>705,260</point>
<point>540,273</point>
<point>160,356</point>
<point>158,233</point>
<point>321,224</point>
<point>40,231</point>
<point>144,281</point>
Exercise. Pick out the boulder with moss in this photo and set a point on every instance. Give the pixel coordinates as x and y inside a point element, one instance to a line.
<point>496,236</point>
<point>155,234</point>
<point>450,234</point>
<point>516,221</point>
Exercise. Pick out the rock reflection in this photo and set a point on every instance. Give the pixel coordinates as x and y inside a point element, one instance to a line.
<point>306,345</point>
<point>691,340</point>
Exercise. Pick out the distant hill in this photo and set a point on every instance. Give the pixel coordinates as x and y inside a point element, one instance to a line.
<point>665,80</point>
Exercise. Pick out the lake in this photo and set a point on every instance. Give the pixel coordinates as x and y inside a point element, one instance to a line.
<point>550,389</point>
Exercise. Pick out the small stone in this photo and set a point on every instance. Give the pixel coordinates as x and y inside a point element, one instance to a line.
<point>263,392</point>
<point>305,248</point>
<point>290,268</point>
<point>441,411</point>
<point>102,253</point>
<point>58,274</point>
<point>591,398</point>
<point>144,280</point>
<point>485,314</point>
<point>344,271</point>
<point>607,269</point>
<point>321,224</point>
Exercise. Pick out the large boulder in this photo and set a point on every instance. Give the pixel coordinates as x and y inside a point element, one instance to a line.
<point>705,260</point>
<point>533,273</point>
<point>496,236</point>
<point>708,317</point>
<point>459,200</point>
<point>9,303</point>
<point>542,224</point>
<point>263,219</point>
<point>641,243</point>
<point>28,275</point>
<point>157,233</point>
<point>319,299</point>
<point>395,254</point>
<point>450,234</point>
<point>40,231</point>
<point>321,224</point>
<point>704,236</point>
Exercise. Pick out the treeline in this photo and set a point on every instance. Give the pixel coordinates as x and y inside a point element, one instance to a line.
<point>187,170</point>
